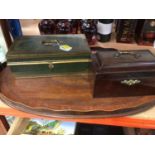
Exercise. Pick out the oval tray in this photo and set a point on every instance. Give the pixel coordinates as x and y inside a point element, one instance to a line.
<point>65,96</point>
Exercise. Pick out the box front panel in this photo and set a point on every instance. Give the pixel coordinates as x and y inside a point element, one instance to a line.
<point>135,84</point>
<point>36,70</point>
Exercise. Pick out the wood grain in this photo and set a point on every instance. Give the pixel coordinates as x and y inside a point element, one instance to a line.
<point>62,94</point>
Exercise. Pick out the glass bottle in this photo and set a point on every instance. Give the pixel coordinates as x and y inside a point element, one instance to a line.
<point>75,24</point>
<point>88,27</point>
<point>15,28</point>
<point>104,29</point>
<point>66,26</point>
<point>47,26</point>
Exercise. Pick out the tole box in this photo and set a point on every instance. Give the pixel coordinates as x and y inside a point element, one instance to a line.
<point>49,55</point>
<point>123,73</point>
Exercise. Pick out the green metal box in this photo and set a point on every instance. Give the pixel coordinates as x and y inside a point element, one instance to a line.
<point>49,55</point>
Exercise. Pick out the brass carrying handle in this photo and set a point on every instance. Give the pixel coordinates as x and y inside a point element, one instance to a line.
<point>51,42</point>
<point>118,54</point>
<point>130,82</point>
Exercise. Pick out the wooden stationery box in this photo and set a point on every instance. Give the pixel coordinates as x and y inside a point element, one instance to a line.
<point>123,73</point>
<point>49,55</point>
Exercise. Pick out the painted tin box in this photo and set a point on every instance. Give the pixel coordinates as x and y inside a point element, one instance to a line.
<point>49,55</point>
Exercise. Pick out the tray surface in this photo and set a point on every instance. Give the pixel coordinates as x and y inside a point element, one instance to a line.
<point>65,96</point>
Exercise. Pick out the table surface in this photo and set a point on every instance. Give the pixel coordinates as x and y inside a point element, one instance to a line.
<point>141,120</point>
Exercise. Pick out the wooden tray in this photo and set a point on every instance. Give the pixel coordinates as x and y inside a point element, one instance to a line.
<point>65,96</point>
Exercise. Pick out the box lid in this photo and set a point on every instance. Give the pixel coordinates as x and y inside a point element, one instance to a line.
<point>28,48</point>
<point>112,60</point>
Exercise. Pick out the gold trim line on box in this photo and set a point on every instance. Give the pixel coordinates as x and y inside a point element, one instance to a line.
<point>47,62</point>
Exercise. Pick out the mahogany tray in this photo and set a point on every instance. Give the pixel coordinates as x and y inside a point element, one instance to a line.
<point>65,97</point>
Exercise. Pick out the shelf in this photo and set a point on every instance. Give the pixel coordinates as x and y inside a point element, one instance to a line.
<point>142,120</point>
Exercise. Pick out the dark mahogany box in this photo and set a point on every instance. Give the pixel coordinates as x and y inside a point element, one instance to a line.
<point>123,73</point>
